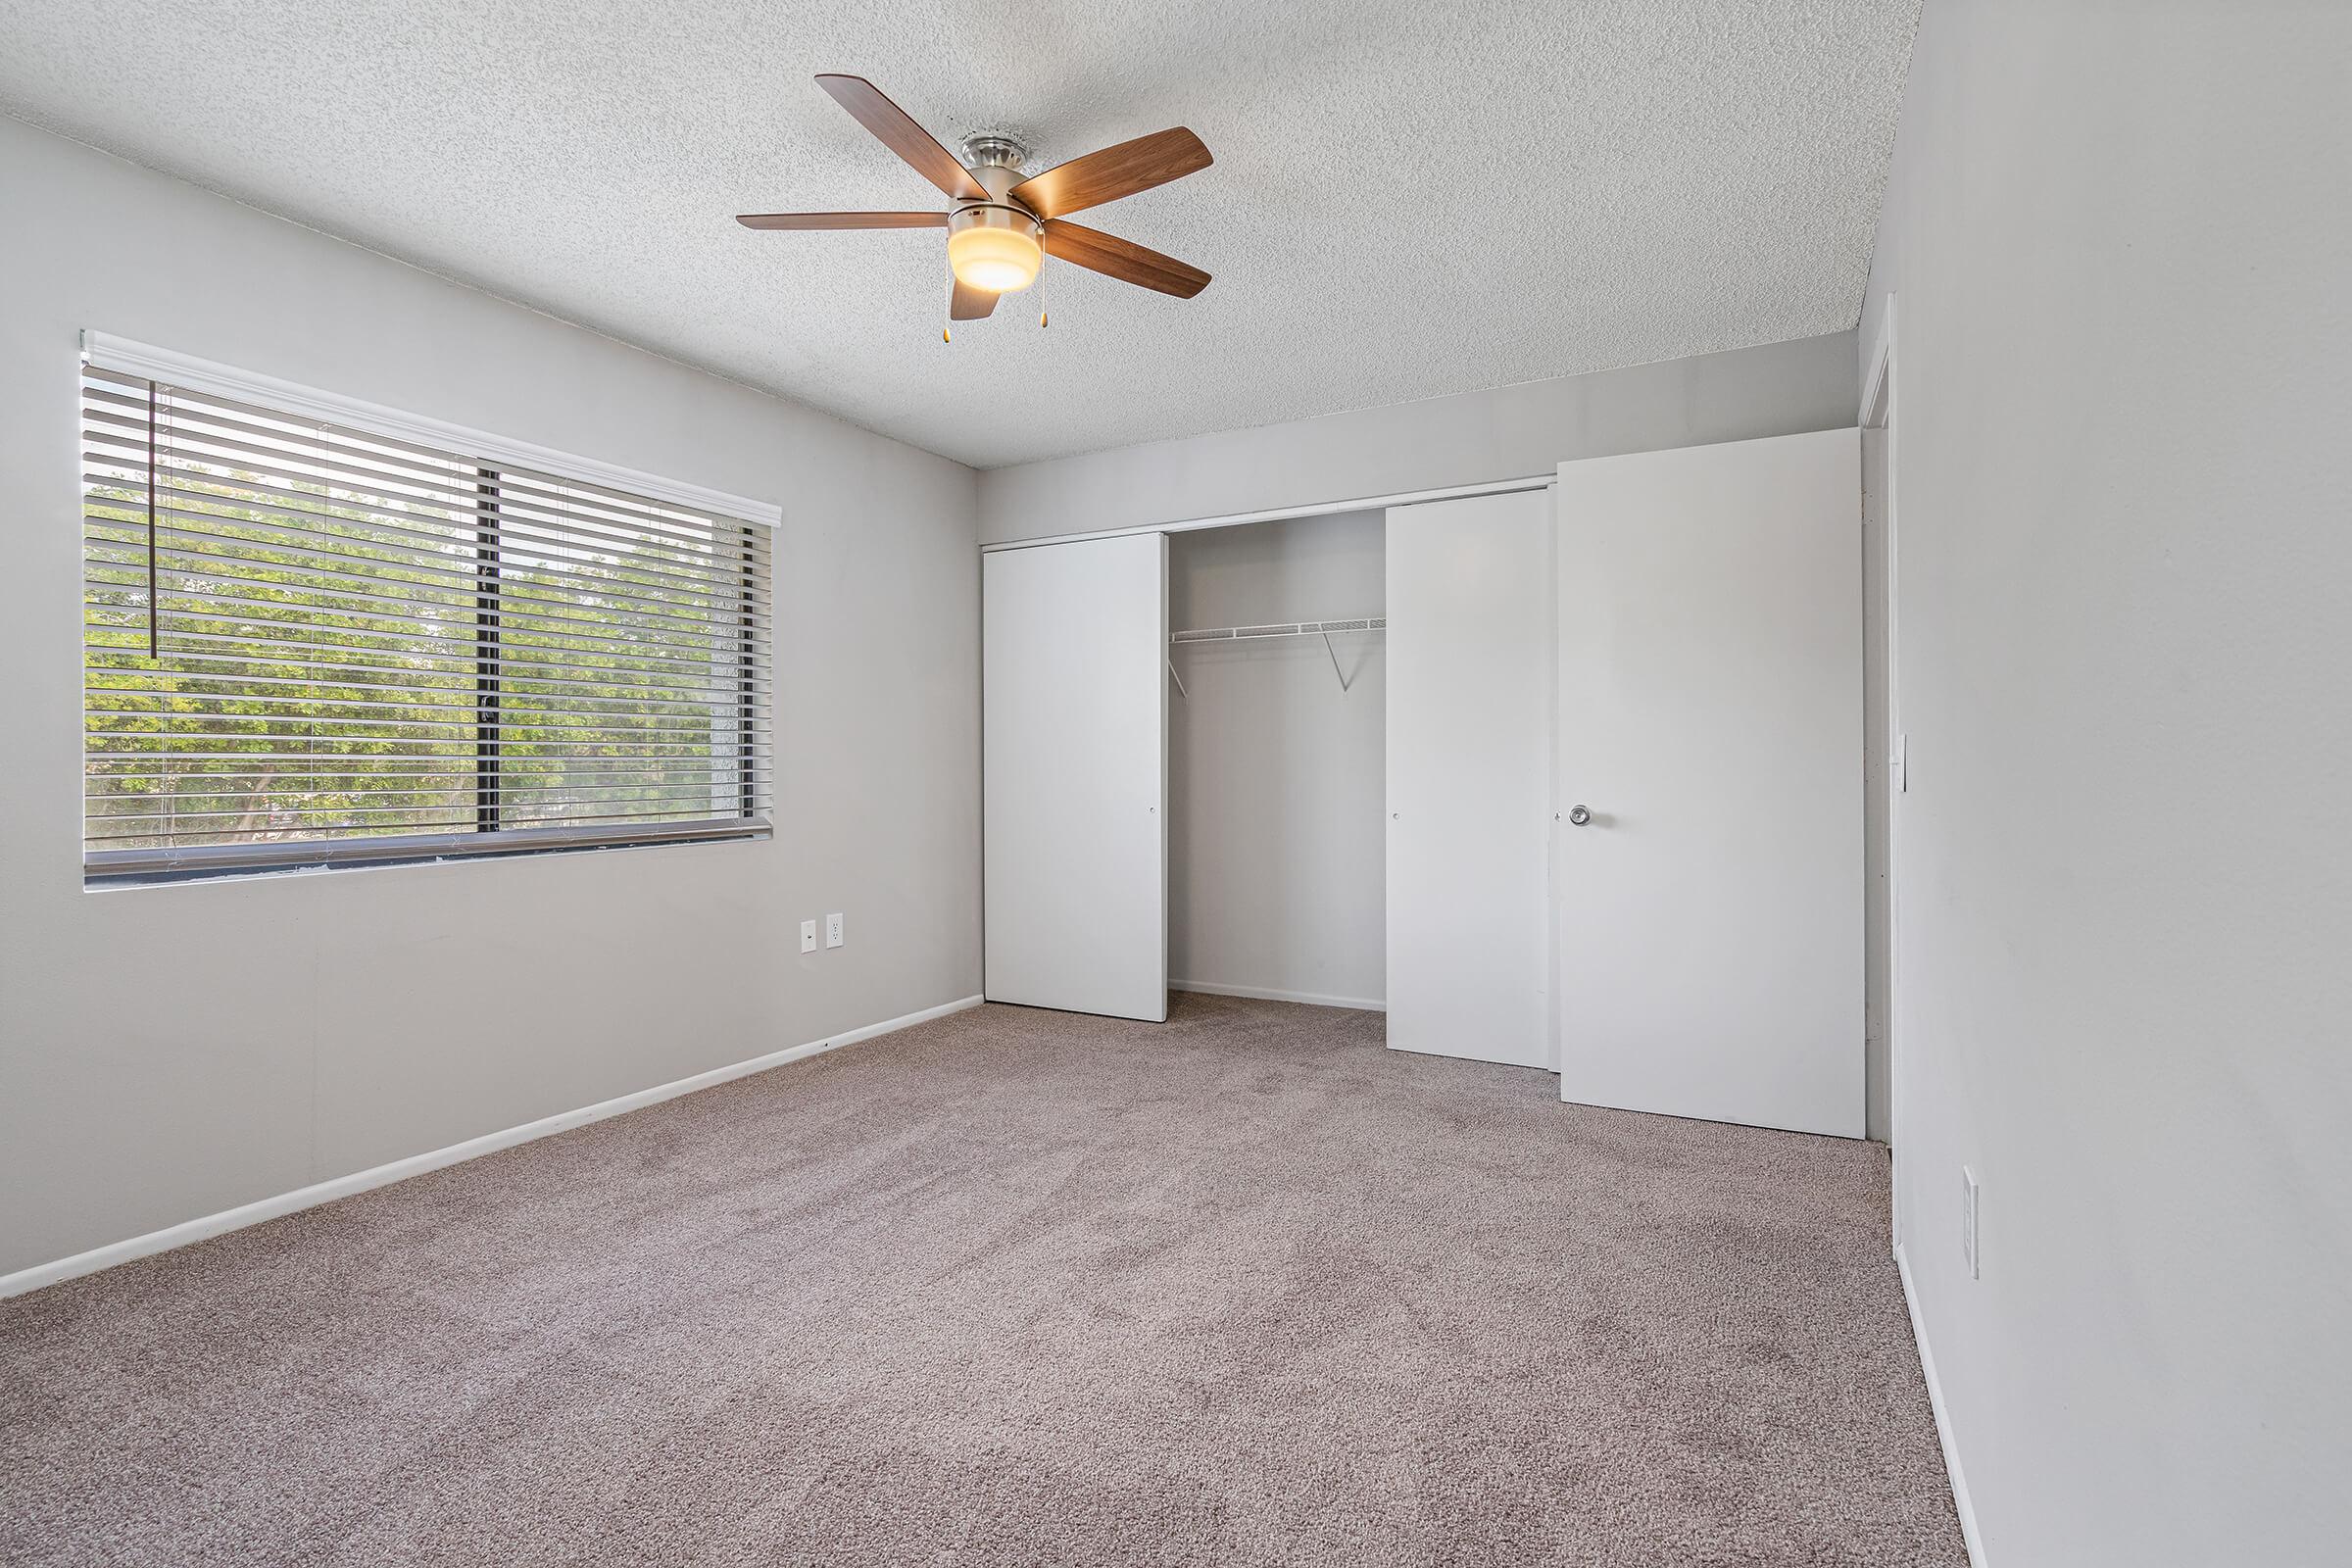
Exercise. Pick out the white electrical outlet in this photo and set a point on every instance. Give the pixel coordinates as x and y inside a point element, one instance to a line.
<point>807,936</point>
<point>1967,1219</point>
<point>832,930</point>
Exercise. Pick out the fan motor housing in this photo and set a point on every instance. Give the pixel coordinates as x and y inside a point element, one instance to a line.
<point>991,149</point>
<point>996,162</point>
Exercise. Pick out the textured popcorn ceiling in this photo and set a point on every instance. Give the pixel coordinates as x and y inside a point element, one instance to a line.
<point>1408,199</point>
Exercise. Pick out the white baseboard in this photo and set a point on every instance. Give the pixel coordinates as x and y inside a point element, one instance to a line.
<point>1944,1425</point>
<point>1209,988</point>
<point>326,1192</point>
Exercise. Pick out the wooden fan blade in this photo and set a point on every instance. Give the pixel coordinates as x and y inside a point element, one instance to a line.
<point>969,303</point>
<point>896,130</point>
<point>1123,259</point>
<point>1113,172</point>
<point>842,219</point>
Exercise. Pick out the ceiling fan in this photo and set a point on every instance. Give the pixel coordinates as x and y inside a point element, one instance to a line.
<point>1002,225</point>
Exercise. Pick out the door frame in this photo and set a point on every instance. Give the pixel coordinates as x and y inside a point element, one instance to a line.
<point>1878,421</point>
<point>1312,508</point>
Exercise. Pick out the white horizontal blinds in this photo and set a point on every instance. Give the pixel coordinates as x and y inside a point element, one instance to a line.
<point>303,635</point>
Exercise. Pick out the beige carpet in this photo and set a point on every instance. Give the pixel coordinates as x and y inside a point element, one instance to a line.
<point>1020,1287</point>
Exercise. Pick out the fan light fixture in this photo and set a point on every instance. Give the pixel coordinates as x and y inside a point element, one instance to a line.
<point>999,219</point>
<point>992,248</point>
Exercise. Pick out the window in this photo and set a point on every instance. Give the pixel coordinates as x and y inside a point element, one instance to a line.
<point>309,644</point>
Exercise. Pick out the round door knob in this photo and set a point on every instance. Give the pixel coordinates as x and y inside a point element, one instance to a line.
<point>1579,816</point>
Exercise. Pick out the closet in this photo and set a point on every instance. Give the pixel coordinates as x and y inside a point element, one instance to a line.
<point>1565,776</point>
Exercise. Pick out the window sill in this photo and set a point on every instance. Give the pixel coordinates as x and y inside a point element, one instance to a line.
<point>116,868</point>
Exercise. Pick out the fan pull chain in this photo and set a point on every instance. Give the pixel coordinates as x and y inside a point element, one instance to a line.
<point>1041,289</point>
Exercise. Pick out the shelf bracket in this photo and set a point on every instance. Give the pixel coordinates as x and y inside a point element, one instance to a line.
<point>1335,663</point>
<point>1179,681</point>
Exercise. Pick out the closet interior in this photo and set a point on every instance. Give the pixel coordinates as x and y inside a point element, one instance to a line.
<point>1278,666</point>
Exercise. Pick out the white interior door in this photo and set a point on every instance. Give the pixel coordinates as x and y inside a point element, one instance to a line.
<point>1074,647</point>
<point>1710,915</point>
<point>1469,739</point>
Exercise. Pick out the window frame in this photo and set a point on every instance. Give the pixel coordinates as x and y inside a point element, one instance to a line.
<point>490,837</point>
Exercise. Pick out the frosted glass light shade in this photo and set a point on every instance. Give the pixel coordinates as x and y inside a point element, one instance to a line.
<point>1000,261</point>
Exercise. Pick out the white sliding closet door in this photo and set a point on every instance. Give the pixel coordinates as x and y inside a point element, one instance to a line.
<point>1469,769</point>
<point>1074,647</point>
<point>1710,722</point>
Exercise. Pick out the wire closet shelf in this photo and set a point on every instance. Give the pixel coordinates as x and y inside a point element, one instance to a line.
<point>1287,629</point>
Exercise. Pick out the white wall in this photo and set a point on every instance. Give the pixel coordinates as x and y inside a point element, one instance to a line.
<point>168,1052</point>
<point>2119,243</point>
<point>1510,432</point>
<point>1276,853</point>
